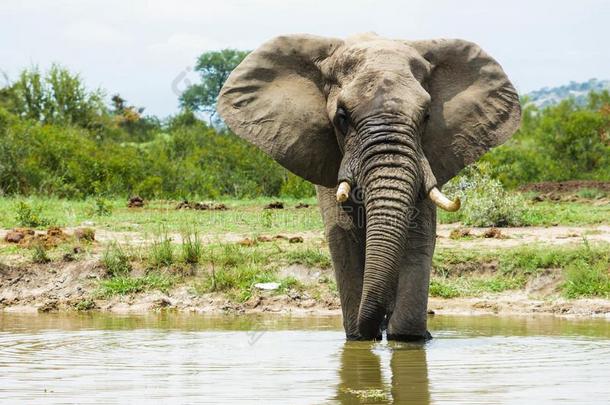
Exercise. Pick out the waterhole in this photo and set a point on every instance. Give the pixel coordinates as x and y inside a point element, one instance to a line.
<point>172,358</point>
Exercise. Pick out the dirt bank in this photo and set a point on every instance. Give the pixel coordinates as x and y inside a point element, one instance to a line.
<point>74,286</point>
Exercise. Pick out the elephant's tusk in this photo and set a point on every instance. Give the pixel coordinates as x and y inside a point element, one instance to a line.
<point>343,191</point>
<point>442,201</point>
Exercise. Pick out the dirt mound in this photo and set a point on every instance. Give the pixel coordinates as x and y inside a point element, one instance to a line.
<point>18,234</point>
<point>276,205</point>
<point>200,206</point>
<point>566,186</point>
<point>135,202</point>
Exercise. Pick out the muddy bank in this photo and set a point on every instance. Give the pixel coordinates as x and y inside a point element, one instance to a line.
<point>74,287</point>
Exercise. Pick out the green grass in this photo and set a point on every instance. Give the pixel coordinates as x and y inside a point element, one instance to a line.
<point>39,254</point>
<point>124,285</point>
<point>192,248</point>
<point>243,216</point>
<point>309,257</point>
<point>459,272</point>
<point>548,213</point>
<point>444,289</point>
<point>116,260</point>
<point>587,279</point>
<point>161,253</point>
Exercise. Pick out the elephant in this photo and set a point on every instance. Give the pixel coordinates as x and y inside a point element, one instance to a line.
<point>379,126</point>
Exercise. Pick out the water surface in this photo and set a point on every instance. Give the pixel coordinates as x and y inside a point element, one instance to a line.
<point>173,358</point>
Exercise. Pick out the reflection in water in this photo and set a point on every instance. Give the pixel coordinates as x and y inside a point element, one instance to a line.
<point>362,380</point>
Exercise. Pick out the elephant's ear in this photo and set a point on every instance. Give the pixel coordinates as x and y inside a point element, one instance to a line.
<point>275,100</point>
<point>474,106</point>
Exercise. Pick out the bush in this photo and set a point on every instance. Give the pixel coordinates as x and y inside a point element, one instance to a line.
<point>30,216</point>
<point>485,202</point>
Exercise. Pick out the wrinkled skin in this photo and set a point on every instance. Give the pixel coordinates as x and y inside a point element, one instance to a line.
<point>391,118</point>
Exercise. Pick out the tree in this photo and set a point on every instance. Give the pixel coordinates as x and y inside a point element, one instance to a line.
<point>58,97</point>
<point>214,69</point>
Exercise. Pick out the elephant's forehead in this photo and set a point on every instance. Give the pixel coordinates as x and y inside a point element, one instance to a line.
<point>376,57</point>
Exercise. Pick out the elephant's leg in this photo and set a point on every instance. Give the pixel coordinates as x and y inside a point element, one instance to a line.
<point>346,236</point>
<point>409,315</point>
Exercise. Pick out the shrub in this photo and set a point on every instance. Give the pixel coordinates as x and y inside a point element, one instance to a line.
<point>485,202</point>
<point>30,216</point>
<point>101,207</point>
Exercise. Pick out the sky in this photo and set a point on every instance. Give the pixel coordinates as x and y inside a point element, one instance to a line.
<point>145,49</point>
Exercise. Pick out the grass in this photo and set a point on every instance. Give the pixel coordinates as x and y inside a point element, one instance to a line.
<point>192,248</point>
<point>587,279</point>
<point>124,285</point>
<point>310,258</point>
<point>459,273</point>
<point>116,260</point>
<point>243,216</point>
<point>39,254</point>
<point>161,253</point>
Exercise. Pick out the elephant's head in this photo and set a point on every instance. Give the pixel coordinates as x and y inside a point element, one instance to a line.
<point>397,119</point>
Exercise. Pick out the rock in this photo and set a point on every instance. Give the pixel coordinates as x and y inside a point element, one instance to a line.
<point>267,286</point>
<point>87,234</point>
<point>296,239</point>
<point>135,202</point>
<point>88,223</point>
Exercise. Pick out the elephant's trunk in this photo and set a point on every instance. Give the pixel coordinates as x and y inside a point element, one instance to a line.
<point>391,178</point>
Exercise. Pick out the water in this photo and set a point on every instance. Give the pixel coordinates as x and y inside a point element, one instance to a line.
<point>171,358</point>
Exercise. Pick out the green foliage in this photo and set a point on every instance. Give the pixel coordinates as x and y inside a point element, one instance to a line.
<point>297,187</point>
<point>485,202</point>
<point>57,97</point>
<point>29,216</point>
<point>101,207</point>
<point>116,261</point>
<point>561,142</point>
<point>214,69</point>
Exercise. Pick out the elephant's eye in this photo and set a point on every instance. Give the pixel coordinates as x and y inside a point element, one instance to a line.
<point>341,120</point>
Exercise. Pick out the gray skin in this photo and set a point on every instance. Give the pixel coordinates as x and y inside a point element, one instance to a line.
<point>392,118</point>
